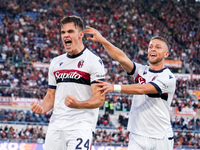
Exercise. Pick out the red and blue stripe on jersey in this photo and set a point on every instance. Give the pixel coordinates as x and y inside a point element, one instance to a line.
<point>72,75</point>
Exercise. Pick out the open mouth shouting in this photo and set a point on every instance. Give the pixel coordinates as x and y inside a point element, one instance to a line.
<point>68,43</point>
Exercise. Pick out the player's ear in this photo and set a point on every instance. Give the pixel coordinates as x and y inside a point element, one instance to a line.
<point>166,54</point>
<point>81,34</point>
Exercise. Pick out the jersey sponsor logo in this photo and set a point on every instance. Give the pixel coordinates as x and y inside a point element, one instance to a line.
<point>140,79</point>
<point>80,63</point>
<point>63,75</point>
<point>72,76</point>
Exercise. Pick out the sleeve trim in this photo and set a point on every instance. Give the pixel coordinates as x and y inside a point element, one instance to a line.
<point>96,81</point>
<point>133,71</point>
<point>157,87</point>
<point>52,86</point>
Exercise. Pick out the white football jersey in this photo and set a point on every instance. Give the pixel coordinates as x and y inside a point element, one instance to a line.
<point>74,75</point>
<point>149,115</point>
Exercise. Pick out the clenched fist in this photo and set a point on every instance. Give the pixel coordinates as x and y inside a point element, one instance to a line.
<point>35,107</point>
<point>71,101</point>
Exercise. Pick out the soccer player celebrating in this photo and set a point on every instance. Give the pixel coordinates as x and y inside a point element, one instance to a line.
<point>149,118</point>
<point>72,92</point>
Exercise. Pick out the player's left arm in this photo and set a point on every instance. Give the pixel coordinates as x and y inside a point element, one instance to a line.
<point>95,101</point>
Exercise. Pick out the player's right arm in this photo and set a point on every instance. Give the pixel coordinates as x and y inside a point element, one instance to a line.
<point>112,50</point>
<point>47,103</point>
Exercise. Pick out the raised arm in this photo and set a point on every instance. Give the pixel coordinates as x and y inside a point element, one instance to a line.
<point>112,50</point>
<point>47,103</point>
<point>95,101</point>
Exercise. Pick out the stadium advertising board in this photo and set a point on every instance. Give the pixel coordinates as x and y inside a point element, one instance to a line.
<point>187,76</point>
<point>24,102</point>
<point>18,101</point>
<point>186,112</point>
<point>20,146</point>
<point>41,65</point>
<point>6,101</point>
<point>35,146</point>
<point>173,63</point>
<point>197,93</point>
<point>183,76</point>
<point>195,76</point>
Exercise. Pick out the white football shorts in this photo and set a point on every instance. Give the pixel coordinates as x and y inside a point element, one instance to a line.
<point>68,140</point>
<point>137,142</point>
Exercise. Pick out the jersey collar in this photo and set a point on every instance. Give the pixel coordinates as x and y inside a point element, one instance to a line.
<point>74,56</point>
<point>156,71</point>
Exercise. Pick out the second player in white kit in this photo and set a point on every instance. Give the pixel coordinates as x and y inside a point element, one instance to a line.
<point>153,90</point>
<point>149,118</point>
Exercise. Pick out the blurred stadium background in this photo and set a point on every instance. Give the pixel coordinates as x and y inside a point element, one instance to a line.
<point>30,38</point>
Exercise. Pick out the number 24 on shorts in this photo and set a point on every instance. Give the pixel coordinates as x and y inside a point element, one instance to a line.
<point>86,144</point>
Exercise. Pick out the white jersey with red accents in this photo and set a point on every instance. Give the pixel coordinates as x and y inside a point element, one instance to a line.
<point>150,113</point>
<point>74,75</point>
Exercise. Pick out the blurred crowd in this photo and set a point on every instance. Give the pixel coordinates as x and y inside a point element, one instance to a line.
<point>23,117</point>
<point>30,33</point>
<point>187,139</point>
<point>182,96</point>
<point>186,123</point>
<point>186,129</point>
<point>36,134</point>
<point>110,137</point>
<point>28,134</point>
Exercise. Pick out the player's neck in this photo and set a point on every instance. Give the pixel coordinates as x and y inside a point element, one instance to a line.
<point>80,47</point>
<point>156,67</point>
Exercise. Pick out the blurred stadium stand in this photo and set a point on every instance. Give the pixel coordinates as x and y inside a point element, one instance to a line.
<point>30,38</point>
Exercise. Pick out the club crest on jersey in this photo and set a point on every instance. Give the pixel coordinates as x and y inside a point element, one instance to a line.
<point>80,63</point>
<point>140,79</point>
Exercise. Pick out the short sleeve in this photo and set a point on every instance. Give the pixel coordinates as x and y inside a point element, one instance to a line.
<point>51,77</point>
<point>164,83</point>
<point>137,69</point>
<point>97,70</point>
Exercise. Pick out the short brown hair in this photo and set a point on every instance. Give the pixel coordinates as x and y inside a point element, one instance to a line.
<point>162,39</point>
<point>75,19</point>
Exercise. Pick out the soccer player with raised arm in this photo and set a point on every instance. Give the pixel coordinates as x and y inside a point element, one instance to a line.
<point>154,87</point>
